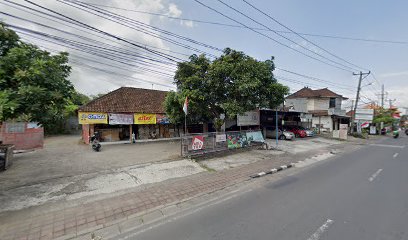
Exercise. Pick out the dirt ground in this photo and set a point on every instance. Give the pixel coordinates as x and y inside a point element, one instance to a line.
<point>66,156</point>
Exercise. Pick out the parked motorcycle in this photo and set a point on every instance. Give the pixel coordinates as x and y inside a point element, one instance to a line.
<point>396,133</point>
<point>96,146</point>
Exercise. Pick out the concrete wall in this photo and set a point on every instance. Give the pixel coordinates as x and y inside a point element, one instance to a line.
<point>85,133</point>
<point>300,104</point>
<point>28,137</point>
<point>325,120</point>
<point>321,103</point>
<point>310,104</point>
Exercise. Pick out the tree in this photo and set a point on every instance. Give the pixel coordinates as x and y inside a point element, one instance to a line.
<point>231,84</point>
<point>33,83</point>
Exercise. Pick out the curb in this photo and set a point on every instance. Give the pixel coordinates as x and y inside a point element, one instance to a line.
<point>273,170</point>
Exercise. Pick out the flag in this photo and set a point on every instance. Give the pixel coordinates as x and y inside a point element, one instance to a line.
<point>185,107</point>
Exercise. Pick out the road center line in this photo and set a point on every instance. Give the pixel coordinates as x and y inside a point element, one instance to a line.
<point>375,175</point>
<point>395,155</point>
<point>389,146</point>
<point>321,230</point>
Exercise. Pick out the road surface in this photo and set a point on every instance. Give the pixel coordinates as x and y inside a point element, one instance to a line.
<point>358,195</point>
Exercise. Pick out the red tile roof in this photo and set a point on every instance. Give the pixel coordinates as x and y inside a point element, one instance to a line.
<point>310,93</point>
<point>128,100</point>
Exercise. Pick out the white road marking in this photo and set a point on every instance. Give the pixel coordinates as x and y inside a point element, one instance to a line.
<point>375,175</point>
<point>395,155</point>
<point>384,145</point>
<point>321,230</point>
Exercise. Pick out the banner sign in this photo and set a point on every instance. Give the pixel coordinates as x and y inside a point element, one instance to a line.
<point>373,130</point>
<point>145,118</point>
<point>236,140</point>
<point>115,119</point>
<point>162,119</point>
<point>248,119</point>
<point>197,143</point>
<point>255,136</point>
<point>364,115</point>
<point>92,117</point>
<point>220,138</point>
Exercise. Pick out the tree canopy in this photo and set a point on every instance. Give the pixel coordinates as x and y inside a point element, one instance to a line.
<point>231,84</point>
<point>33,83</point>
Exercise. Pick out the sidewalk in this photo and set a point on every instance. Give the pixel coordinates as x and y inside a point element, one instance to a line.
<point>102,216</point>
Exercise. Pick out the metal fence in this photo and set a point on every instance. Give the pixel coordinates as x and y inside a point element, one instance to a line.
<point>203,143</point>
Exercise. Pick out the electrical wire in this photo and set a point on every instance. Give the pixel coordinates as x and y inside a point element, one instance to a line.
<point>288,39</point>
<point>274,40</point>
<point>87,26</point>
<point>302,37</point>
<point>61,21</point>
<point>262,29</point>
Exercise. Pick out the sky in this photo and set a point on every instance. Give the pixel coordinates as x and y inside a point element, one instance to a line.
<point>380,26</point>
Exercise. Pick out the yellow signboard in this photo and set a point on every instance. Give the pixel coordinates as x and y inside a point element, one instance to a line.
<point>145,118</point>
<point>92,117</point>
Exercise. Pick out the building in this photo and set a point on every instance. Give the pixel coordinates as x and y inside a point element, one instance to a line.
<point>127,112</point>
<point>323,104</point>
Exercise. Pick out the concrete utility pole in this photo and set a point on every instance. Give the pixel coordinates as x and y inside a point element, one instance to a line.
<point>357,97</point>
<point>383,96</point>
<point>390,100</point>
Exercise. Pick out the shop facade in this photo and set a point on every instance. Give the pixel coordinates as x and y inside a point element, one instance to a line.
<point>127,114</point>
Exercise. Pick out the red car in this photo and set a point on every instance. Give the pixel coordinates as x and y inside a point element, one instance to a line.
<point>297,131</point>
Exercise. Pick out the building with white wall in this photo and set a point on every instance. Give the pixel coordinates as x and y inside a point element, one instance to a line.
<point>323,104</point>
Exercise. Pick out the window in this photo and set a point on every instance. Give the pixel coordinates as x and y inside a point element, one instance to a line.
<point>332,103</point>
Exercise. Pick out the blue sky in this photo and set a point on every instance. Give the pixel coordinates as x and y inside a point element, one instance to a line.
<point>358,19</point>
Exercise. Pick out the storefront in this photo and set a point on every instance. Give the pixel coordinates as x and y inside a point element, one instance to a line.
<point>127,114</point>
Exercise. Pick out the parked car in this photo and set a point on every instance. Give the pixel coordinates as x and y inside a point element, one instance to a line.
<point>296,130</point>
<point>309,133</point>
<point>282,133</point>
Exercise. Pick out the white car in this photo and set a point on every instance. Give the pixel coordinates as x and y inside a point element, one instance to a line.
<point>284,135</point>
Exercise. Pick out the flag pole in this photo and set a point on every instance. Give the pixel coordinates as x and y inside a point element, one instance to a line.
<point>185,123</point>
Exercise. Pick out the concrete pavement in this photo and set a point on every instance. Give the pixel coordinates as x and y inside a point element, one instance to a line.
<point>357,195</point>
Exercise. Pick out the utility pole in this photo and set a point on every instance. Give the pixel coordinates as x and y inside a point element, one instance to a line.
<point>357,97</point>
<point>390,100</point>
<point>351,108</point>
<point>382,96</point>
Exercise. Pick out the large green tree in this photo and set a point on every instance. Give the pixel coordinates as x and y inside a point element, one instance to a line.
<point>231,84</point>
<point>33,83</point>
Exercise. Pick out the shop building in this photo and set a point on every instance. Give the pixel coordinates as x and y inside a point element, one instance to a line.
<point>127,114</point>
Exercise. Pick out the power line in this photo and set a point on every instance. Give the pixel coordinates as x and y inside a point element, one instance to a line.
<point>139,26</point>
<point>307,40</point>
<point>61,21</point>
<point>347,87</point>
<point>274,40</point>
<point>83,47</point>
<point>83,64</point>
<point>304,84</point>
<point>288,39</point>
<point>171,58</point>
<point>262,29</point>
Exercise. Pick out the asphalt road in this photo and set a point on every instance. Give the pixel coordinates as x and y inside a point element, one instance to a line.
<point>358,195</point>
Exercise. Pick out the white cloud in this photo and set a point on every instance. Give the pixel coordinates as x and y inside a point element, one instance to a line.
<point>187,23</point>
<point>400,95</point>
<point>174,11</point>
<point>91,81</point>
<point>395,74</point>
